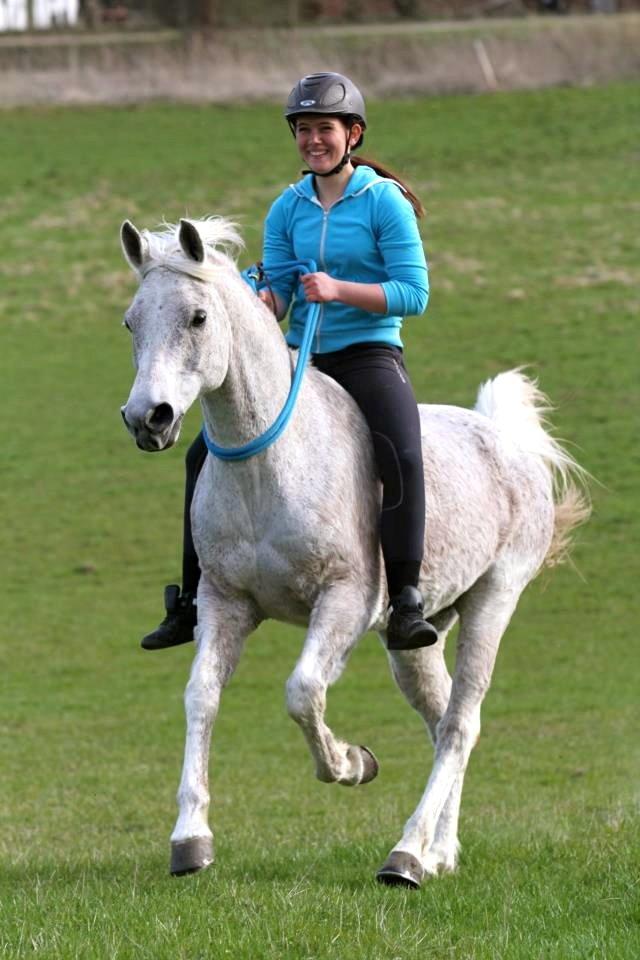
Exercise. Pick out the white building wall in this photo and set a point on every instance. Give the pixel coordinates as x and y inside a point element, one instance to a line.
<point>50,13</point>
<point>46,13</point>
<point>13,14</point>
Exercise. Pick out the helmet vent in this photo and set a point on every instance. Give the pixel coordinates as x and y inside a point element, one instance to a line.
<point>334,95</point>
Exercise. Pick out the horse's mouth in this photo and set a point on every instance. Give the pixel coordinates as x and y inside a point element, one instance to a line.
<point>152,441</point>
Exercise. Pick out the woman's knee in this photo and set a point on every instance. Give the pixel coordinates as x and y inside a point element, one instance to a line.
<point>411,464</point>
<point>400,468</point>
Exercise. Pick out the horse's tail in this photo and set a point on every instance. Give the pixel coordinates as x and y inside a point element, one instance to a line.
<point>514,401</point>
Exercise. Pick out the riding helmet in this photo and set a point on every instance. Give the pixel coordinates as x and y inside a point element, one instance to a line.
<point>331,94</point>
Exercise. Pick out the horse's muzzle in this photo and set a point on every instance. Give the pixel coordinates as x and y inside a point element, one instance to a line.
<point>157,429</point>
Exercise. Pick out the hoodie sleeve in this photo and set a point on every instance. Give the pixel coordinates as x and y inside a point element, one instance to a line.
<point>400,244</point>
<point>278,247</point>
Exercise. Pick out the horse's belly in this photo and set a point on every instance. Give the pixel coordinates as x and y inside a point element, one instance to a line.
<point>280,603</point>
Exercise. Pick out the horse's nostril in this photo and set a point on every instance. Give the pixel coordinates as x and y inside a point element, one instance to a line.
<point>160,417</point>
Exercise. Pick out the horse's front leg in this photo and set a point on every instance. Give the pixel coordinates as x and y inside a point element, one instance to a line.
<point>339,618</point>
<point>223,625</point>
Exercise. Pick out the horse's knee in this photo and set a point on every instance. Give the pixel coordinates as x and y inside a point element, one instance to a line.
<point>426,690</point>
<point>305,696</point>
<point>202,693</point>
<point>430,711</point>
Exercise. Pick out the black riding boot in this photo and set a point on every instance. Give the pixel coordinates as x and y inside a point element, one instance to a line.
<point>177,626</point>
<point>407,628</point>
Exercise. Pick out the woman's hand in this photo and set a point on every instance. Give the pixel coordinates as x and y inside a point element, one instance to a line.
<point>274,302</point>
<point>320,287</point>
<point>268,299</point>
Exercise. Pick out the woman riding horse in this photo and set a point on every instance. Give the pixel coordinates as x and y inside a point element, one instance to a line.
<point>358,222</point>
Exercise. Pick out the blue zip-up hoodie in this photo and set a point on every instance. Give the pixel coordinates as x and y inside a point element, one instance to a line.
<point>369,235</point>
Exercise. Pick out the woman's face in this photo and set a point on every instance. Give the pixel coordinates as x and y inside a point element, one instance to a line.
<point>322,141</point>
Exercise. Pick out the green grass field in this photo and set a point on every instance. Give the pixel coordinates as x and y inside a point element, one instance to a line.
<point>532,235</point>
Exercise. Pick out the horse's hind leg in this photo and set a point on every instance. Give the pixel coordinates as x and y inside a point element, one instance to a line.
<point>423,678</point>
<point>223,625</point>
<point>339,618</point>
<point>485,612</point>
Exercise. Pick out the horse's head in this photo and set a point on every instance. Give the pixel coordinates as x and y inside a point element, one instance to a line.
<point>178,322</point>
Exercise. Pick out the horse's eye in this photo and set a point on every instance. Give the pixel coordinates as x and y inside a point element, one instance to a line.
<point>199,318</point>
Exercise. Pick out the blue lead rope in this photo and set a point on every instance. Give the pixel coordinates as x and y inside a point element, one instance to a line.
<point>256,278</point>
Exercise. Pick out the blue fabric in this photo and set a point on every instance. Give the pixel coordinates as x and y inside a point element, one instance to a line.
<point>370,235</point>
<point>251,275</point>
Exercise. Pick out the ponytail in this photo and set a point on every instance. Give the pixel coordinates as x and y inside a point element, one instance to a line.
<point>413,199</point>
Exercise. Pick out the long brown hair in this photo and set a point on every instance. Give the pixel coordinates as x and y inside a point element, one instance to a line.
<point>413,199</point>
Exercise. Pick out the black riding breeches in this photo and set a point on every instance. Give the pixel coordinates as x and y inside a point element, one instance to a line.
<point>196,455</point>
<point>375,376</point>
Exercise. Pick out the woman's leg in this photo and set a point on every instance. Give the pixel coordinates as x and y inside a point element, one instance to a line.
<point>194,461</point>
<point>177,627</point>
<point>376,378</point>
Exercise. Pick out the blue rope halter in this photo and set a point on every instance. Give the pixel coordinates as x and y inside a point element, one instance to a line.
<point>256,278</point>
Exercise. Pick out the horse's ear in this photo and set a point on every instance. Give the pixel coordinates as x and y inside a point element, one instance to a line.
<point>134,246</point>
<point>191,241</point>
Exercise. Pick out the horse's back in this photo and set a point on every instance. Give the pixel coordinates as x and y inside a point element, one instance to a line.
<point>485,493</point>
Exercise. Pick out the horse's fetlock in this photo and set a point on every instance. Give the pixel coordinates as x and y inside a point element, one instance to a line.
<point>193,804</point>
<point>325,774</point>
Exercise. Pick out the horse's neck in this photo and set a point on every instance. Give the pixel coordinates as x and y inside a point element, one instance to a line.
<point>258,376</point>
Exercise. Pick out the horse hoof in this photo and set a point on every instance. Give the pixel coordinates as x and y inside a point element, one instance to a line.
<point>370,764</point>
<point>189,856</point>
<point>401,870</point>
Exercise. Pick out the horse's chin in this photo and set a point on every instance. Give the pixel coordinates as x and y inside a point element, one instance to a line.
<point>152,442</point>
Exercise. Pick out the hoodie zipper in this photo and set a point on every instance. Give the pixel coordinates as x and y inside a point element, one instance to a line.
<point>323,234</point>
<point>321,260</point>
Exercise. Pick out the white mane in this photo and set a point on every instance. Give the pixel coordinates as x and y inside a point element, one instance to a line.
<point>221,240</point>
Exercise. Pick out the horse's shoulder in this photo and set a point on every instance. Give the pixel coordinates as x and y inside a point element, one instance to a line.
<point>337,402</point>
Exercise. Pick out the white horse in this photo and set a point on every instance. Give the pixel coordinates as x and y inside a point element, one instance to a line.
<point>292,534</point>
